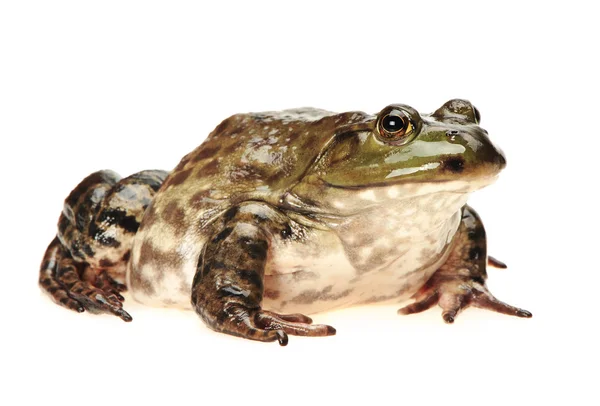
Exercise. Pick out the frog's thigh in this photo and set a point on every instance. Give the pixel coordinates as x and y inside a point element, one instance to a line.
<point>460,281</point>
<point>95,231</point>
<point>227,289</point>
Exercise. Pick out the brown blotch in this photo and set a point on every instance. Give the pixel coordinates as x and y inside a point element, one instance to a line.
<point>178,178</point>
<point>199,197</point>
<point>209,169</point>
<point>159,260</point>
<point>106,263</point>
<point>221,127</point>
<point>181,165</point>
<point>150,217</point>
<point>142,284</point>
<point>231,148</point>
<point>174,215</point>
<point>271,294</point>
<point>126,256</point>
<point>206,152</point>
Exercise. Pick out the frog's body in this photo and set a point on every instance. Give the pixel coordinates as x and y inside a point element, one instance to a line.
<point>295,211</point>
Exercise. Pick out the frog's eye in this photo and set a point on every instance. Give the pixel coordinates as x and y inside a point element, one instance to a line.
<point>394,125</point>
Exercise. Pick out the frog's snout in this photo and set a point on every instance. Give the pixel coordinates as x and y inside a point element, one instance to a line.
<point>500,158</point>
<point>481,156</point>
<point>489,157</point>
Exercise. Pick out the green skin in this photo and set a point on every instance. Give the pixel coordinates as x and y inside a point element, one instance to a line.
<point>270,182</point>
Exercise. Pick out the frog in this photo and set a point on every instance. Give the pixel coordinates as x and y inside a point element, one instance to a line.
<point>279,215</point>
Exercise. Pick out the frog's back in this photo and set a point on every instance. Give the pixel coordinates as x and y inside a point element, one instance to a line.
<point>255,156</point>
<point>254,152</point>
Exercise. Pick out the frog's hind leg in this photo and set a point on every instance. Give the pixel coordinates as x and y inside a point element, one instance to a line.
<point>62,278</point>
<point>85,262</point>
<point>460,282</point>
<point>228,286</point>
<point>48,281</point>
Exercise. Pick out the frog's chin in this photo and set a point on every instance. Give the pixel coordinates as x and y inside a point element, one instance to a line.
<point>404,191</point>
<point>449,186</point>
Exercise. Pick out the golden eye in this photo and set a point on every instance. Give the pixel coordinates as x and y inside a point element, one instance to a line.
<point>395,125</point>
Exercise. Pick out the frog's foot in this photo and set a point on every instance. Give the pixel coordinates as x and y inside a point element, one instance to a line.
<point>460,281</point>
<point>108,285</point>
<point>455,294</point>
<point>60,278</point>
<point>263,325</point>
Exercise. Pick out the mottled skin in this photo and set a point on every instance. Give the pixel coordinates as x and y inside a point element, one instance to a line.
<point>298,211</point>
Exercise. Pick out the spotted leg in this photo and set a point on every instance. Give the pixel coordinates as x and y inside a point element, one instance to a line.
<point>83,263</point>
<point>460,282</point>
<point>227,289</point>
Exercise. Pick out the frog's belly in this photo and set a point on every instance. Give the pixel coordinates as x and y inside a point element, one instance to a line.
<point>299,281</point>
<point>309,276</point>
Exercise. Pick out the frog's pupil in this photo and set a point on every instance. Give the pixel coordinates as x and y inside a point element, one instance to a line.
<point>393,123</point>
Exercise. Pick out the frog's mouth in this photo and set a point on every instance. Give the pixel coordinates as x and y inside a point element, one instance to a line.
<point>440,185</point>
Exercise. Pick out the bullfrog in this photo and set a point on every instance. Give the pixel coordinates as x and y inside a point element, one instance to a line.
<point>281,214</point>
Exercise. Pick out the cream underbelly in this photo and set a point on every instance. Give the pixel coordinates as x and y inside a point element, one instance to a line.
<point>323,275</point>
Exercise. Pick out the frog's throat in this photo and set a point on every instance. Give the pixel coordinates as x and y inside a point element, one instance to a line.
<point>345,202</point>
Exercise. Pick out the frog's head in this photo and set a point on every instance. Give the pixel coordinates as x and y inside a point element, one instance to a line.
<point>400,148</point>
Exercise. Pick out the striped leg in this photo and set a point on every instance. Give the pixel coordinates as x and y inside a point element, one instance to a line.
<point>228,286</point>
<point>95,233</point>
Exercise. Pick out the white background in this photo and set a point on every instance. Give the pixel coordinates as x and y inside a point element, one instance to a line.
<point>136,85</point>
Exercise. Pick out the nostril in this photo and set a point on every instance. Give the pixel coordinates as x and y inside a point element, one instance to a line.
<point>455,165</point>
<point>452,134</point>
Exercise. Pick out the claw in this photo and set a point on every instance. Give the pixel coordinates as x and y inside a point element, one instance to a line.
<point>449,316</point>
<point>282,337</point>
<point>420,306</point>
<point>496,263</point>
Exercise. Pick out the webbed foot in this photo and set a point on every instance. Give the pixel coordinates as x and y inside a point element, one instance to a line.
<point>454,294</point>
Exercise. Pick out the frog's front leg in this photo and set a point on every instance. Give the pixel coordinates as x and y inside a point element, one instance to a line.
<point>460,282</point>
<point>227,289</point>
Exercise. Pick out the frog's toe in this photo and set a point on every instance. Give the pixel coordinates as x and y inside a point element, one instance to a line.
<point>421,305</point>
<point>263,325</point>
<point>295,324</point>
<point>105,283</point>
<point>485,300</point>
